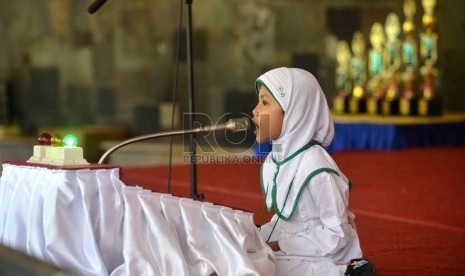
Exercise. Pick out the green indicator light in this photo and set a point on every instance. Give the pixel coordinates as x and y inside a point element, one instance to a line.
<point>70,140</point>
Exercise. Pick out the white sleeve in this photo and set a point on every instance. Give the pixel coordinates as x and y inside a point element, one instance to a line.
<point>327,236</point>
<point>265,230</point>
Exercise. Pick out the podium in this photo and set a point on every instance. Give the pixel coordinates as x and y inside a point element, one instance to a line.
<point>85,219</point>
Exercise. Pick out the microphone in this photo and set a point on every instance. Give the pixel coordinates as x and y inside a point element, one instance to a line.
<point>233,125</point>
<point>95,6</point>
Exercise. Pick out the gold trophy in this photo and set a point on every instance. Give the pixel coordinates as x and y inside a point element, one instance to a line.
<point>375,69</point>
<point>408,102</point>
<point>392,63</point>
<point>343,82</point>
<point>429,104</point>
<point>358,74</point>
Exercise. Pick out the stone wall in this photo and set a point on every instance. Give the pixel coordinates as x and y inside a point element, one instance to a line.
<point>67,67</point>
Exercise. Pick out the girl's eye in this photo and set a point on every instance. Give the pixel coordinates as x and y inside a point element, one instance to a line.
<point>264,103</point>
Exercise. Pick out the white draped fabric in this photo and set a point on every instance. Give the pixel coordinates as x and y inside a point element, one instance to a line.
<point>89,221</point>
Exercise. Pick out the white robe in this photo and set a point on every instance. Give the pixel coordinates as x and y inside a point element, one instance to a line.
<point>320,237</point>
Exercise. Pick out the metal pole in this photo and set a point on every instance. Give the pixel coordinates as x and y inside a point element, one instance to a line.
<point>191,104</point>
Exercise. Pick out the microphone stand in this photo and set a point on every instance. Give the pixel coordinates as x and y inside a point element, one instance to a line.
<point>163,134</point>
<point>234,125</point>
<point>190,90</point>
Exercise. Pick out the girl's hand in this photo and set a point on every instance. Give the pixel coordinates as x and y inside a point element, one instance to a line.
<point>274,245</point>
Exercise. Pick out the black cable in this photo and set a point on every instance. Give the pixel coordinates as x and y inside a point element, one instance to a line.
<point>175,88</point>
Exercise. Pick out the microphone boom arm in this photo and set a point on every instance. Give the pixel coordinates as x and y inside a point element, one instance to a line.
<point>233,125</point>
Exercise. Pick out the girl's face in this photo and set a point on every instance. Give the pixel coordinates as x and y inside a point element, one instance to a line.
<point>268,117</point>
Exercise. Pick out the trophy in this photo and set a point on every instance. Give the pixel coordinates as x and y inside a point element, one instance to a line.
<point>408,103</point>
<point>375,69</point>
<point>392,63</point>
<point>343,81</point>
<point>429,104</point>
<point>357,103</point>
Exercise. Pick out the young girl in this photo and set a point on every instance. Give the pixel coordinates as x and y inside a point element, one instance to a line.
<point>312,231</point>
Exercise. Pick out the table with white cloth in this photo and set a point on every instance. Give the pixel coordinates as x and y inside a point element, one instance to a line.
<point>86,220</point>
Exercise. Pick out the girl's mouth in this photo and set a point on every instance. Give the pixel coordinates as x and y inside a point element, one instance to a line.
<point>256,129</point>
<point>255,124</point>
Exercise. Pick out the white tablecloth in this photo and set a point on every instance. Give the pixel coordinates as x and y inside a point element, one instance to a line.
<point>89,221</point>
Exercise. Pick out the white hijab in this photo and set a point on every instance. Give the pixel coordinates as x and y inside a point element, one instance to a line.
<point>306,118</point>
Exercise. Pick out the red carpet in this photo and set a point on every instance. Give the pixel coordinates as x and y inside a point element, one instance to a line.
<point>409,203</point>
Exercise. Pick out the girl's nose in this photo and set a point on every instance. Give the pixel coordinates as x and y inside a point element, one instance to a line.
<point>255,111</point>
